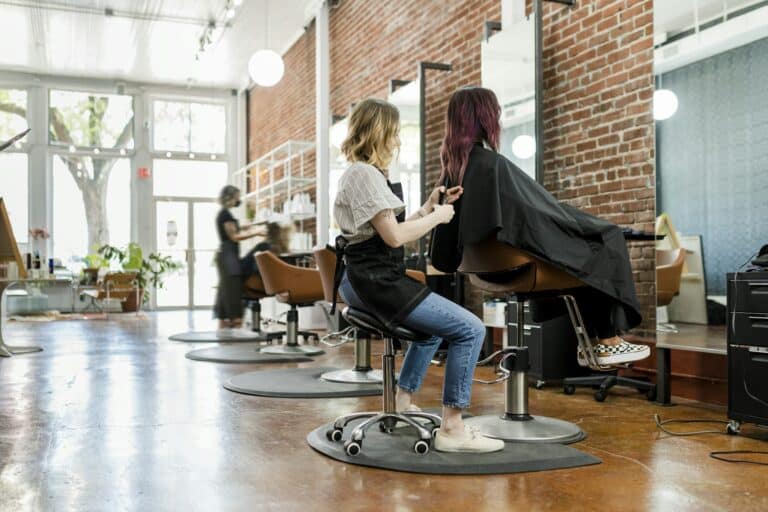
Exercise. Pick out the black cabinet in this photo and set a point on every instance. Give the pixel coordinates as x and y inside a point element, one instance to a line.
<point>747,323</point>
<point>551,346</point>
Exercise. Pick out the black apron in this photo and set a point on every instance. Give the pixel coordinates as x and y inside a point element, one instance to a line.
<point>377,274</point>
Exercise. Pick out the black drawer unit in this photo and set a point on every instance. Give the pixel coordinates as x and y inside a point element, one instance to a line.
<point>747,326</point>
<point>551,346</point>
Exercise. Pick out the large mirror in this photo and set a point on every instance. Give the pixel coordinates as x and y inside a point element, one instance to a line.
<point>711,112</point>
<point>508,67</point>
<point>405,169</point>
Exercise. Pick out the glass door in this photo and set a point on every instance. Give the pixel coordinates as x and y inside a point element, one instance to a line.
<point>186,232</point>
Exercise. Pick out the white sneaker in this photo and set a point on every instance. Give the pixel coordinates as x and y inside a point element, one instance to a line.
<point>624,352</point>
<point>469,441</point>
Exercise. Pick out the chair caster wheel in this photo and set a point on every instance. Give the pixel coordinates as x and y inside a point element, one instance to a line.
<point>421,447</point>
<point>385,429</point>
<point>651,395</point>
<point>569,389</point>
<point>352,448</point>
<point>334,435</point>
<point>434,432</point>
<point>540,384</point>
<point>600,396</point>
<point>733,428</point>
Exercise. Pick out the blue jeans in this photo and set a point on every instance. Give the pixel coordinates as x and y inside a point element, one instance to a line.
<point>444,320</point>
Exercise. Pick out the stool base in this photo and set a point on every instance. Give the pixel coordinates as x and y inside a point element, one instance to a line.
<point>537,429</point>
<point>353,376</point>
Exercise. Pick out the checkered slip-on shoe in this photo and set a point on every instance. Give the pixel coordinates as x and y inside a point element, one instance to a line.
<point>624,352</point>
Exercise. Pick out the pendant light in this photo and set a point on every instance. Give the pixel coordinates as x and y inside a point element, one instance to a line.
<point>266,66</point>
<point>524,147</point>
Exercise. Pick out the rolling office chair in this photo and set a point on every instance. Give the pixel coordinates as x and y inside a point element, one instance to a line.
<point>388,416</point>
<point>297,287</point>
<point>669,274</point>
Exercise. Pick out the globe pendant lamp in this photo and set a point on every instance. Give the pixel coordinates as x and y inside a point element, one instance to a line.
<point>266,68</point>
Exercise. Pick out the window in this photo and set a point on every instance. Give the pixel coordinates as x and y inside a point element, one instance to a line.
<point>13,112</point>
<point>189,127</point>
<point>91,120</point>
<point>91,205</point>
<point>15,193</point>
<point>189,178</point>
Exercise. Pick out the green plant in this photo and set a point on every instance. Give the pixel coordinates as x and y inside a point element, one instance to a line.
<point>150,270</point>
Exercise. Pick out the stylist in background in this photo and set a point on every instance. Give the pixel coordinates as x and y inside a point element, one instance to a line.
<point>233,271</point>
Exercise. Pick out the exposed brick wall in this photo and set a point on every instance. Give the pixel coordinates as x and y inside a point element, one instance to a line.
<point>598,79</point>
<point>598,123</point>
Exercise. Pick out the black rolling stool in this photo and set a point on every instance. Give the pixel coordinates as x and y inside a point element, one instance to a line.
<point>388,416</point>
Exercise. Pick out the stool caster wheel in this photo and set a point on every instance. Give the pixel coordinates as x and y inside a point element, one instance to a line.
<point>569,389</point>
<point>385,429</point>
<point>434,432</point>
<point>334,435</point>
<point>600,396</point>
<point>352,448</point>
<point>651,395</point>
<point>733,428</point>
<point>421,447</point>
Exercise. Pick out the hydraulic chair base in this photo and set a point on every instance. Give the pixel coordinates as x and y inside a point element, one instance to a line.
<point>516,424</point>
<point>362,373</point>
<point>261,336</point>
<point>292,339</point>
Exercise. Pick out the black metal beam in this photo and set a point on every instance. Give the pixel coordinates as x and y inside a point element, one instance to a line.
<point>489,27</point>
<point>539,88</point>
<point>396,83</point>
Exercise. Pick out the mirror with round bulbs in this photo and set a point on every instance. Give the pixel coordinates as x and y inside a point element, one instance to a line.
<point>709,108</point>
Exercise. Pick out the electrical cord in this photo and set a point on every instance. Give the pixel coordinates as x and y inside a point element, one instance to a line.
<point>660,424</point>
<point>718,455</point>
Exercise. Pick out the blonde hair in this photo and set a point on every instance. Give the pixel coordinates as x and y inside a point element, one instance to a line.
<point>373,131</point>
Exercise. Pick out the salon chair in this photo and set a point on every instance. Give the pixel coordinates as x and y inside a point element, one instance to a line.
<point>388,417</point>
<point>363,372</point>
<point>497,267</point>
<point>253,292</point>
<point>297,287</point>
<point>669,274</point>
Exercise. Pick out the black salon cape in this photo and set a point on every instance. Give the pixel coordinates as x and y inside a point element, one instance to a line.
<point>499,198</point>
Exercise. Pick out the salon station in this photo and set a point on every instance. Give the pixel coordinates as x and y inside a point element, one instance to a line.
<point>409,255</point>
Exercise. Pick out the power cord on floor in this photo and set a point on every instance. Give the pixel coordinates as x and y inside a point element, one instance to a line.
<point>718,455</point>
<point>660,424</point>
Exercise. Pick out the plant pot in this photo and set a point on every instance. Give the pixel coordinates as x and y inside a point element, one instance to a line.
<point>130,305</point>
<point>90,276</point>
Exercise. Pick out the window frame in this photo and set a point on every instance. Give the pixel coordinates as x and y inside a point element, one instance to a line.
<point>88,149</point>
<point>24,143</point>
<point>187,154</point>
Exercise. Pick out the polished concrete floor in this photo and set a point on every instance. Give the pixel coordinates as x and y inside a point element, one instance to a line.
<point>112,417</point>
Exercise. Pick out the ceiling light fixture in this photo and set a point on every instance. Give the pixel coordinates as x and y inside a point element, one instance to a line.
<point>266,66</point>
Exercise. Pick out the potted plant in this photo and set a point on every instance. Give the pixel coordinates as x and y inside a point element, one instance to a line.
<point>150,271</point>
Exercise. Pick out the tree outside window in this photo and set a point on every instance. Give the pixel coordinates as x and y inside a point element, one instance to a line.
<point>189,127</point>
<point>98,123</point>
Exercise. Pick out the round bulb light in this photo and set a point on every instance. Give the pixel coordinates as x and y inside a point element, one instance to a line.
<point>664,104</point>
<point>524,147</point>
<point>266,68</point>
<point>338,134</point>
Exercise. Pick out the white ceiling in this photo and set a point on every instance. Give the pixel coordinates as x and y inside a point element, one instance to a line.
<point>672,16</point>
<point>152,41</point>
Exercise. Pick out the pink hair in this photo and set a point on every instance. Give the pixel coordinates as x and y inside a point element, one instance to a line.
<point>473,116</point>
